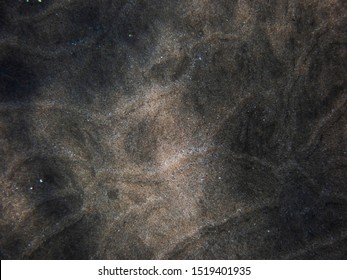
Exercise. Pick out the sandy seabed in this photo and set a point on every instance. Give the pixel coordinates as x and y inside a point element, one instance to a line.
<point>196,129</point>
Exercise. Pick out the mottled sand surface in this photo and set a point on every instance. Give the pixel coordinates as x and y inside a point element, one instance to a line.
<point>196,129</point>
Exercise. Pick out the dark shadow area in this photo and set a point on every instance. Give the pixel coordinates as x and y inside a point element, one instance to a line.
<point>52,197</point>
<point>18,80</point>
<point>78,241</point>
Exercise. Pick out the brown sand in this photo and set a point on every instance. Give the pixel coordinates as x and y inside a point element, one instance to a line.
<point>196,129</point>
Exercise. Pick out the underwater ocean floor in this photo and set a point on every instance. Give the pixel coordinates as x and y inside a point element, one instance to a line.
<point>195,129</point>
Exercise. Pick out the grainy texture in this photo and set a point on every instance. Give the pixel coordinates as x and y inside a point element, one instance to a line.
<point>197,129</point>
